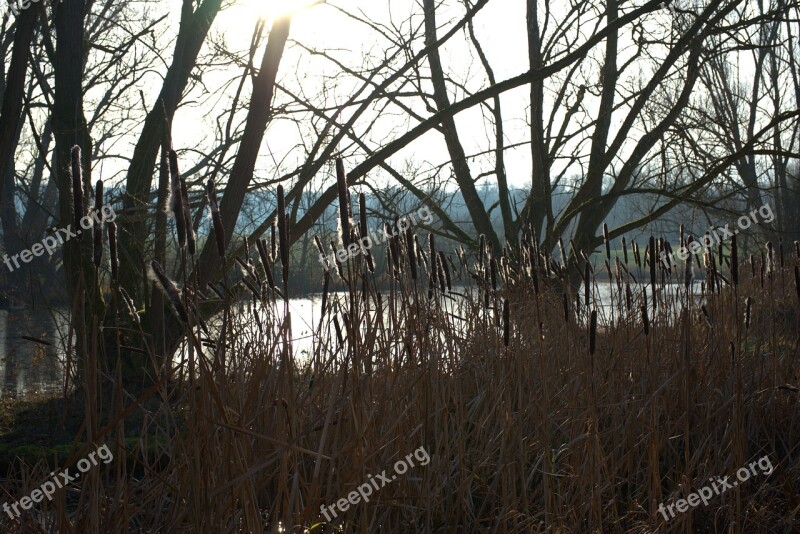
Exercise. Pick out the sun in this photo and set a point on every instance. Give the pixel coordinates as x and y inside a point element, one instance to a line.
<point>272,9</point>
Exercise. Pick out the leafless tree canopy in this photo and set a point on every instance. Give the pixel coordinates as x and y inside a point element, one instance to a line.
<point>612,103</point>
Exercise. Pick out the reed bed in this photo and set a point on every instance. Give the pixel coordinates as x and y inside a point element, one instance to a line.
<point>541,410</point>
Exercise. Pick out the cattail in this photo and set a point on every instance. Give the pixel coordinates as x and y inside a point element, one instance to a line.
<point>432,247</point>
<point>506,326</point>
<point>607,242</point>
<point>77,189</point>
<point>216,217</point>
<point>248,282</point>
<point>748,305</point>
<point>593,332</point>
<point>420,252</point>
<point>440,272</point>
<point>344,208</point>
<point>628,295</point>
<point>561,250</point>
<point>645,319</point>
<point>265,262</point>
<point>362,215</point>
<point>112,248</point>
<point>126,299</point>
<point>481,244</point>
<point>283,236</point>
<point>176,198</point>
<point>394,247</point>
<point>493,272</point>
<point>734,261</point>
<point>770,259</point>
<point>636,255</point>
<point>446,270</point>
<point>752,267</point>
<point>412,255</point>
<point>688,274</point>
<point>625,250</point>
<point>566,307</point>
<point>534,272</point>
<point>170,290</point>
<point>338,330</point>
<point>653,256</point>
<point>336,260</point>
<point>797,280</point>
<point>587,283</point>
<point>187,217</point>
<point>273,243</point>
<point>97,229</point>
<point>325,284</point>
<point>680,237</point>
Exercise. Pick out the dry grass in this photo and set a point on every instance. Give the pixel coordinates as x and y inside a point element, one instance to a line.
<point>539,435</point>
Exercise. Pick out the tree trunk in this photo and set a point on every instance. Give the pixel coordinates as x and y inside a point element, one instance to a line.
<point>136,201</point>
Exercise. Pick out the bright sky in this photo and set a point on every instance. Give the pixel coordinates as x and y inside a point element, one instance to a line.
<point>322,27</point>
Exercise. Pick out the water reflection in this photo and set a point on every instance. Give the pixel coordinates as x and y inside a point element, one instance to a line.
<point>27,366</point>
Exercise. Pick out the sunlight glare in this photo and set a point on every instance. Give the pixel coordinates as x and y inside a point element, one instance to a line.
<point>271,9</point>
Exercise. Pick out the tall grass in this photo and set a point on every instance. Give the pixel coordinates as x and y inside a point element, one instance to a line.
<point>538,415</point>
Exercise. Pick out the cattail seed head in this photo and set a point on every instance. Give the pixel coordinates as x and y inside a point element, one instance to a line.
<point>187,218</point>
<point>267,265</point>
<point>797,281</point>
<point>440,272</point>
<point>283,237</point>
<point>336,261</point>
<point>112,248</point>
<point>653,255</point>
<point>77,187</point>
<point>344,204</point>
<point>593,332</point>
<point>481,245</point>
<point>747,314</point>
<point>362,216</point>
<point>645,320</point>
<point>273,242</point>
<point>412,253</point>
<point>216,217</point>
<point>446,271</point>
<point>170,291</point>
<point>625,250</point>
<point>607,242</point>
<point>734,261</point>
<point>97,229</point>
<point>176,198</point>
<point>587,283</point>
